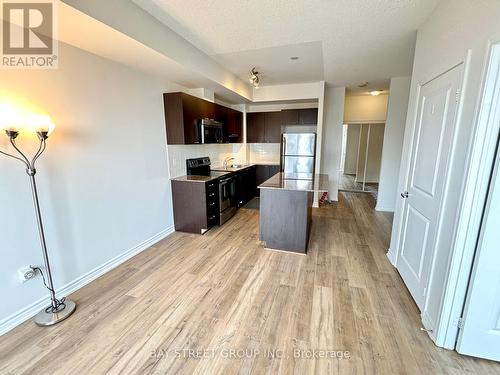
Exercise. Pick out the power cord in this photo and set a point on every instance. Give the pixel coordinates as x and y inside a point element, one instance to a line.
<point>58,305</point>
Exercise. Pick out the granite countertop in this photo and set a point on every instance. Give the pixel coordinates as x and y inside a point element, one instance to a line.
<point>195,178</point>
<point>319,184</point>
<point>243,166</point>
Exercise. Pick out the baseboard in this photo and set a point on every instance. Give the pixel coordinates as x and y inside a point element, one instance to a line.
<point>383,208</point>
<point>28,312</point>
<point>391,257</point>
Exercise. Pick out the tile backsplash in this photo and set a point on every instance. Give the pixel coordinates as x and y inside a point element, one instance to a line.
<point>252,153</point>
<point>177,155</point>
<point>263,152</point>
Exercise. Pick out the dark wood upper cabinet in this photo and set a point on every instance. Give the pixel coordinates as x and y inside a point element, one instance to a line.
<point>183,111</point>
<point>290,116</point>
<point>273,127</point>
<point>256,127</point>
<point>308,116</point>
<point>264,127</point>
<point>234,126</point>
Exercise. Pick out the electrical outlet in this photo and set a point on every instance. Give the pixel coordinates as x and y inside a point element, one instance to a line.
<point>26,273</point>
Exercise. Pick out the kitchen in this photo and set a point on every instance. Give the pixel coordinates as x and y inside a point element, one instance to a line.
<point>274,157</point>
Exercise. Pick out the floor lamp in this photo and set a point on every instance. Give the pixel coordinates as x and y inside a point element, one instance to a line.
<point>59,309</point>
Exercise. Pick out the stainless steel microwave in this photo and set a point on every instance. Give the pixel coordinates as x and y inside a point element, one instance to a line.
<point>209,131</point>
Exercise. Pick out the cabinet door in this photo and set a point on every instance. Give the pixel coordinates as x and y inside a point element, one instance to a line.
<point>222,115</point>
<point>308,116</point>
<point>174,119</point>
<point>273,169</point>
<point>256,127</point>
<point>290,116</point>
<point>261,174</point>
<point>273,127</point>
<point>251,187</point>
<point>235,125</point>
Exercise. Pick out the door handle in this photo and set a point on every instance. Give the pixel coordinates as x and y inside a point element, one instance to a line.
<point>405,195</point>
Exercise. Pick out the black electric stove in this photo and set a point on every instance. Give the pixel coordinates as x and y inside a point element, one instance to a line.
<point>226,182</point>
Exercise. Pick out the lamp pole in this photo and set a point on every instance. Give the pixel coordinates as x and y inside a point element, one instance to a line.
<point>59,309</point>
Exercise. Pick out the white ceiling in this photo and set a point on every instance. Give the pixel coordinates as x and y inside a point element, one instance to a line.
<point>344,42</point>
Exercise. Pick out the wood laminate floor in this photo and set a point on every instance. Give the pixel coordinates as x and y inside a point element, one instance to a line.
<point>241,309</point>
<point>348,183</point>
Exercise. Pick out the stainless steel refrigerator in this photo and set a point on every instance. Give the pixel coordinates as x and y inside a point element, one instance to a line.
<point>298,155</point>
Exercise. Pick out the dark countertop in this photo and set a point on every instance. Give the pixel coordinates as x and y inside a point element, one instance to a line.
<point>248,165</point>
<point>194,178</point>
<point>219,172</point>
<point>319,184</point>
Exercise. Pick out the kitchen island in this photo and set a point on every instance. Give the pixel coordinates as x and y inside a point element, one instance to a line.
<point>285,211</point>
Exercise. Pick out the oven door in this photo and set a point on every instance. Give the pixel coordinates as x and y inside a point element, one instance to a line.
<point>227,193</point>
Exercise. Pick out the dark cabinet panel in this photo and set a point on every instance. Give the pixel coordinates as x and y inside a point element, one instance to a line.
<point>183,111</point>
<point>174,118</point>
<point>250,184</point>
<point>290,116</point>
<point>256,126</point>
<point>196,207</point>
<point>235,126</point>
<point>273,169</point>
<point>273,127</point>
<point>245,185</point>
<point>264,127</point>
<point>308,116</point>
<point>263,173</point>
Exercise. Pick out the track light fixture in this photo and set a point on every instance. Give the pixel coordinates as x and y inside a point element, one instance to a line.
<point>254,78</point>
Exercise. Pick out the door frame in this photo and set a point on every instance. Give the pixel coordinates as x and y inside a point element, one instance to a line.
<point>474,195</point>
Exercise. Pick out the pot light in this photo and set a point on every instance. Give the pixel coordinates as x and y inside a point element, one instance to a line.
<point>376,92</point>
<point>294,58</point>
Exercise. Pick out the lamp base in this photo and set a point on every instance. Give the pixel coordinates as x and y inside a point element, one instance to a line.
<point>45,319</point>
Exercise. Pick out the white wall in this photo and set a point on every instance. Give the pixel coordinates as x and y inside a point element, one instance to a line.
<point>365,108</point>
<point>293,91</point>
<point>103,181</point>
<point>393,143</point>
<point>457,32</point>
<point>332,139</point>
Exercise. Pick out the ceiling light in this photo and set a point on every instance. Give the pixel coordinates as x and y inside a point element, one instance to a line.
<point>294,58</point>
<point>376,92</point>
<point>364,84</point>
<point>254,78</point>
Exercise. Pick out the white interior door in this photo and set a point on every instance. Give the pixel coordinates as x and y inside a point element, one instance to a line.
<point>431,143</point>
<point>480,335</point>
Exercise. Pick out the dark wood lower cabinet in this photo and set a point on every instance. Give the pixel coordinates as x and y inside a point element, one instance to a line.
<point>263,173</point>
<point>196,205</point>
<point>285,219</point>
<point>245,185</point>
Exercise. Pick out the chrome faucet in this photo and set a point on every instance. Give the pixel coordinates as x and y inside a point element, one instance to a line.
<point>225,162</point>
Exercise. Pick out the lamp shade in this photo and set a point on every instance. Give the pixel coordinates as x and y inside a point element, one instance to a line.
<point>11,118</point>
<point>40,123</point>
